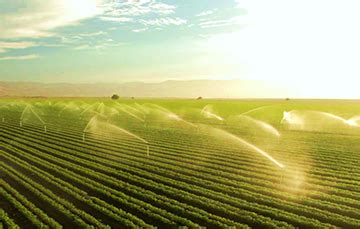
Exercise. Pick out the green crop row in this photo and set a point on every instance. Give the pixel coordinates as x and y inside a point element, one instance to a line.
<point>326,176</point>
<point>222,166</point>
<point>120,197</point>
<point>33,219</point>
<point>170,204</point>
<point>119,215</point>
<point>289,206</point>
<point>297,208</point>
<point>189,174</point>
<point>213,175</point>
<point>125,176</point>
<point>266,179</point>
<point>46,195</point>
<point>5,219</point>
<point>29,205</point>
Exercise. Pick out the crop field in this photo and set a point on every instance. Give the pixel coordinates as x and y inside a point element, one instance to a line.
<point>168,163</point>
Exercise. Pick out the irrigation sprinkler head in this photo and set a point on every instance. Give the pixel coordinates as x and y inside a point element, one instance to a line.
<point>286,117</point>
<point>83,137</point>
<point>21,123</point>
<point>148,150</point>
<point>45,129</point>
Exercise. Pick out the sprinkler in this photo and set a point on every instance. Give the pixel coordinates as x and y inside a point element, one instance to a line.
<point>84,137</point>
<point>230,136</point>
<point>45,129</point>
<point>265,126</point>
<point>128,112</point>
<point>207,112</point>
<point>148,150</point>
<point>29,108</point>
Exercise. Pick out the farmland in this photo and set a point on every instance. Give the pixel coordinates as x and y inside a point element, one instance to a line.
<point>167,163</point>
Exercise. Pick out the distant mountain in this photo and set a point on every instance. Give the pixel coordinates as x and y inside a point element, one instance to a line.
<point>178,89</point>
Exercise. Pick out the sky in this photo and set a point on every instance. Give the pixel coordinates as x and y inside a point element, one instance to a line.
<point>311,46</point>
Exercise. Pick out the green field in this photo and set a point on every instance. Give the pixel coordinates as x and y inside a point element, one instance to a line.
<point>167,163</point>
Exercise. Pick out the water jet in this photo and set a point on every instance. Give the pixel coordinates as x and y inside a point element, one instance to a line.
<point>263,125</point>
<point>208,113</point>
<point>222,133</point>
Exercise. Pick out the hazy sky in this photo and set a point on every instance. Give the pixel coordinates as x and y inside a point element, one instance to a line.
<point>311,43</point>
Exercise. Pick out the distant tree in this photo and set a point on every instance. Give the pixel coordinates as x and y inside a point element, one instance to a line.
<point>287,99</point>
<point>115,97</point>
<point>199,98</point>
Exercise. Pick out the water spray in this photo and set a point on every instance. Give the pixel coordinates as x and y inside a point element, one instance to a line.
<point>286,116</point>
<point>256,109</point>
<point>88,108</point>
<point>206,111</point>
<point>89,124</point>
<point>353,121</point>
<point>93,123</point>
<point>68,106</point>
<point>126,111</point>
<point>171,115</point>
<point>134,110</point>
<point>101,108</point>
<point>142,109</point>
<point>29,107</point>
<point>266,126</point>
<point>63,109</point>
<point>350,122</point>
<point>114,127</point>
<point>249,145</point>
<point>296,118</point>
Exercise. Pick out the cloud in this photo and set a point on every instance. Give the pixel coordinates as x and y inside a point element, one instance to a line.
<point>99,33</point>
<point>162,8</point>
<point>80,37</point>
<point>97,44</point>
<point>26,57</point>
<point>163,21</point>
<point>140,30</point>
<point>205,13</point>
<point>34,18</point>
<point>6,46</point>
<point>86,46</point>
<point>16,45</point>
<point>137,8</point>
<point>145,12</point>
<point>220,23</point>
<point>116,19</point>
